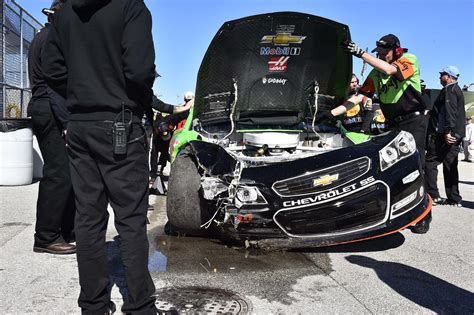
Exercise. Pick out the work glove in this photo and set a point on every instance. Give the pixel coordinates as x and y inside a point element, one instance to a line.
<point>352,48</point>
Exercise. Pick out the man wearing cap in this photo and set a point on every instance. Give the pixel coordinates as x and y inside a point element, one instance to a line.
<point>396,80</point>
<point>55,205</point>
<point>447,128</point>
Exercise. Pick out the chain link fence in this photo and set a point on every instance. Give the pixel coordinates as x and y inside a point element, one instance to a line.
<point>18,30</point>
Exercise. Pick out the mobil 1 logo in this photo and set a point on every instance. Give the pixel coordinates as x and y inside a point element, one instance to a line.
<point>280,51</point>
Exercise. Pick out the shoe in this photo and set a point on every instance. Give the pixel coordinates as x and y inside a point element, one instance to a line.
<point>438,201</point>
<point>169,230</point>
<point>422,226</point>
<point>56,248</point>
<point>449,202</point>
<point>112,308</point>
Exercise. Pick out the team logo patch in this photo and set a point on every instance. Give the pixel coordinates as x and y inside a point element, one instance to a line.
<point>278,64</point>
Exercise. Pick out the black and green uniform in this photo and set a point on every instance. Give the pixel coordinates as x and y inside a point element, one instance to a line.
<point>400,98</point>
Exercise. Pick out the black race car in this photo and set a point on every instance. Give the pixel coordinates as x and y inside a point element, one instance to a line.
<point>255,163</point>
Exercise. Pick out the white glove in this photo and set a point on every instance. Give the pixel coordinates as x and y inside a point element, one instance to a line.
<point>353,48</point>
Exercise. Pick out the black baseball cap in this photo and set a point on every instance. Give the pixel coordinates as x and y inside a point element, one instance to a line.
<point>386,43</point>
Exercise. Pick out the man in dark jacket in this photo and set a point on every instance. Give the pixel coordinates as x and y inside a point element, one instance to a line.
<point>100,56</point>
<point>55,206</point>
<point>446,130</point>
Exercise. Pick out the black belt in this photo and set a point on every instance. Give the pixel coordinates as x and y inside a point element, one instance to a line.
<point>401,118</point>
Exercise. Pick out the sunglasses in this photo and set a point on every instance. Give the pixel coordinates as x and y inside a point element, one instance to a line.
<point>383,44</point>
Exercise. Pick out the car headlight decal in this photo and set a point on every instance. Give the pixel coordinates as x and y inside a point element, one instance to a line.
<point>410,178</point>
<point>249,195</point>
<point>399,148</point>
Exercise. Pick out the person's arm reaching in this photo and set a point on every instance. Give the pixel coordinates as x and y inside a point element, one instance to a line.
<point>377,63</point>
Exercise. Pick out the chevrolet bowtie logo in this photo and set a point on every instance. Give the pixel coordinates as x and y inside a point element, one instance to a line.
<point>282,39</point>
<point>325,180</point>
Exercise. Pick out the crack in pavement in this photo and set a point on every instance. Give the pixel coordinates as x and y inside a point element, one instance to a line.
<point>339,284</point>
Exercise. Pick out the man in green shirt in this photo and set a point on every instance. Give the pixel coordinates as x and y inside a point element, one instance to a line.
<point>396,80</point>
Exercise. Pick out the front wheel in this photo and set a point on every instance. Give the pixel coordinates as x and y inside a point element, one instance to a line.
<point>185,207</point>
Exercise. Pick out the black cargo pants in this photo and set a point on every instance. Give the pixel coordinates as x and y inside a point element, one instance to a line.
<point>438,151</point>
<point>100,177</point>
<point>55,206</point>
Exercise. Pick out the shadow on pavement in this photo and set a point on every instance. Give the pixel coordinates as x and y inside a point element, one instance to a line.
<point>375,245</point>
<point>468,204</point>
<point>465,182</point>
<point>420,287</point>
<point>115,265</point>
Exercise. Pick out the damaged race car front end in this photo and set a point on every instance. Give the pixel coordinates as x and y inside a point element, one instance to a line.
<point>254,164</point>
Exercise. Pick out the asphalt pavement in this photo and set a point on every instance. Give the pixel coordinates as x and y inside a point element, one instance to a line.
<point>402,273</point>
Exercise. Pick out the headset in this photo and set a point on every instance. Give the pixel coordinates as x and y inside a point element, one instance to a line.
<point>398,52</point>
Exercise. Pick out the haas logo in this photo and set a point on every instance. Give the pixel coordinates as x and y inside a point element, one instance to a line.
<point>278,64</point>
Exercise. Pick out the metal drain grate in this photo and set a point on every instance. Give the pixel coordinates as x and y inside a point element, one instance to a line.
<point>198,300</point>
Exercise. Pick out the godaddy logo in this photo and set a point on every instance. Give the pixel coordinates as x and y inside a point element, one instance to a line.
<point>281,81</point>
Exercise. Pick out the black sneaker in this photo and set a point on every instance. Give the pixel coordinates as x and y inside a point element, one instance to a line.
<point>422,226</point>
<point>449,202</point>
<point>438,201</point>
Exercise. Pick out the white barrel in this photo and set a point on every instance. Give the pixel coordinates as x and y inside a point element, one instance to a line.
<point>16,157</point>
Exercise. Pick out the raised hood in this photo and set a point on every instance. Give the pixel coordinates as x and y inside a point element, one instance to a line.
<point>270,63</point>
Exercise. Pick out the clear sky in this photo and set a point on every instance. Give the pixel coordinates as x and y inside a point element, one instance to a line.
<point>439,32</point>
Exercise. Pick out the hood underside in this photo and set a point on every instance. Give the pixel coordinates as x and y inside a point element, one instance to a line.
<point>264,69</point>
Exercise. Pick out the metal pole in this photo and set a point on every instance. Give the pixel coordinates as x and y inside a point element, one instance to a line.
<point>21,48</point>
<point>22,64</point>
<point>3,59</point>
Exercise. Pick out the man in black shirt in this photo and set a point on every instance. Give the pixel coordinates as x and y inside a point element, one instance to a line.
<point>100,56</point>
<point>55,206</point>
<point>446,130</point>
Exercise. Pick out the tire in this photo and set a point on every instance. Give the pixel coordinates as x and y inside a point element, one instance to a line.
<point>185,207</point>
